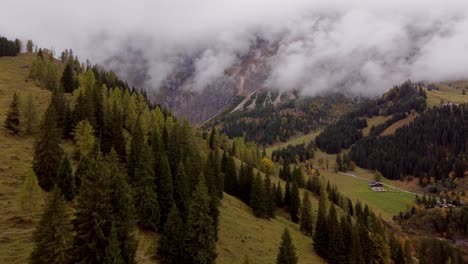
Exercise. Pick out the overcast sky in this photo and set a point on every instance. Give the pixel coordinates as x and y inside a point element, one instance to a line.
<point>361,46</point>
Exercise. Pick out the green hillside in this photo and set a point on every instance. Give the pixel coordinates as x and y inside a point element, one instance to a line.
<point>240,232</point>
<point>16,156</point>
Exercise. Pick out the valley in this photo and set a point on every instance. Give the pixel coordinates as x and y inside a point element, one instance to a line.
<point>255,150</point>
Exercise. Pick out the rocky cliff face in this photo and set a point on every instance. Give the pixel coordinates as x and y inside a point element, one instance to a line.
<point>247,75</point>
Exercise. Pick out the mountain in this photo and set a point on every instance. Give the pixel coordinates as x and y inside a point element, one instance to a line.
<point>247,75</point>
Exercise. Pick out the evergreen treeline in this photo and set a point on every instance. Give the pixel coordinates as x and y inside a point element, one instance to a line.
<point>363,240</point>
<point>346,131</point>
<point>137,165</point>
<point>293,174</point>
<point>434,146</point>
<point>294,153</point>
<point>343,163</point>
<point>341,135</point>
<point>9,47</point>
<point>400,99</point>
<point>377,130</point>
<point>253,190</point>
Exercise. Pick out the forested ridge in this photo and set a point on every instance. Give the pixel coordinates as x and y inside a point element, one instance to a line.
<point>346,131</point>
<point>433,146</point>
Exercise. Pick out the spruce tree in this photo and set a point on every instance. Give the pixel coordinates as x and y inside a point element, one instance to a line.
<point>121,206</point>
<point>59,103</point>
<point>213,139</point>
<point>47,151</point>
<point>306,215</point>
<point>268,197</point>
<point>364,241</point>
<point>157,150</point>
<point>200,235</point>
<point>81,170</point>
<point>287,194</point>
<point>181,190</point>
<point>171,242</point>
<point>65,179</point>
<point>12,121</point>
<point>295,203</point>
<point>256,195</point>
<point>230,176</point>
<point>322,232</point>
<point>105,200</point>
<point>346,226</point>
<point>165,190</point>
<point>224,162</point>
<point>136,148</point>
<point>287,251</point>
<point>114,254</point>
<point>29,46</point>
<point>53,236</point>
<point>213,175</point>
<point>355,252</point>
<point>279,199</point>
<point>336,246</point>
<point>67,81</point>
<point>214,183</point>
<point>67,128</point>
<point>93,216</point>
<point>144,191</point>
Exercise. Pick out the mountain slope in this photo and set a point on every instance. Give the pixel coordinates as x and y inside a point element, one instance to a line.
<point>240,232</point>
<point>16,157</point>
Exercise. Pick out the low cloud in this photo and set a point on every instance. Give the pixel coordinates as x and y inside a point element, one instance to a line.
<point>359,47</point>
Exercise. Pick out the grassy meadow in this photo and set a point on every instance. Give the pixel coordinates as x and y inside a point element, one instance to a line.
<point>15,160</point>
<point>449,92</point>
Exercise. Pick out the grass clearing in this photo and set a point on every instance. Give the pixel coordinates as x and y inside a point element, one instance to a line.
<point>449,92</point>
<point>293,141</point>
<point>386,204</point>
<point>374,121</point>
<point>242,234</point>
<point>400,123</point>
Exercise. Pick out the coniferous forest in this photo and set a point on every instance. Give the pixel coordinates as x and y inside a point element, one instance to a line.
<point>136,166</point>
<point>114,164</point>
<point>398,101</point>
<point>9,47</point>
<point>434,145</point>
